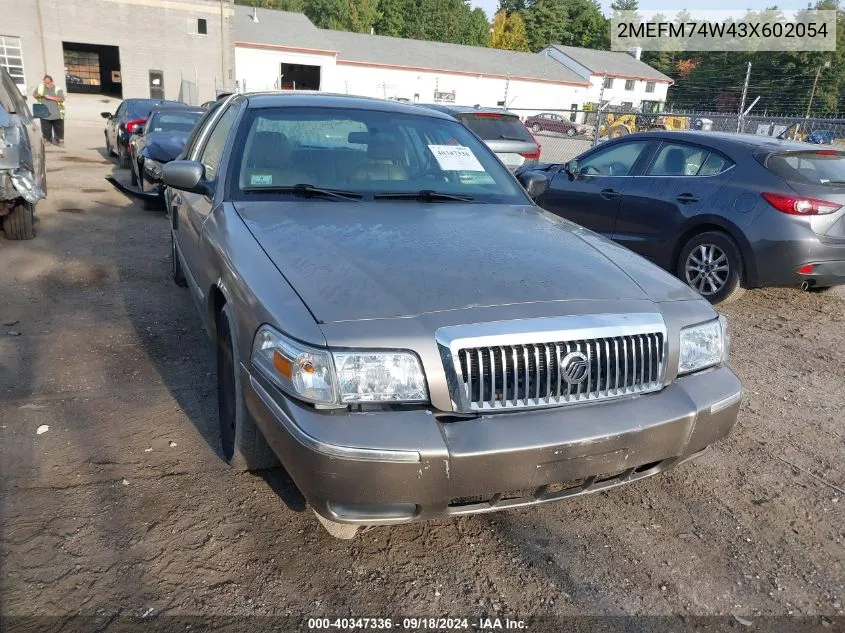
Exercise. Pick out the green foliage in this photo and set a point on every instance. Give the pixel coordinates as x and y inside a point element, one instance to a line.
<point>568,22</point>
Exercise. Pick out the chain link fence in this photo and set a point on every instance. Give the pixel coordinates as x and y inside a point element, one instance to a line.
<point>564,134</point>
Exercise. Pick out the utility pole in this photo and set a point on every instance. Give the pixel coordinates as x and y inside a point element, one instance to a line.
<point>742,103</point>
<point>813,91</point>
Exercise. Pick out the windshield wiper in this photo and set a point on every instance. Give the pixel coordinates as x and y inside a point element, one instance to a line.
<point>308,191</point>
<point>512,138</point>
<point>426,195</point>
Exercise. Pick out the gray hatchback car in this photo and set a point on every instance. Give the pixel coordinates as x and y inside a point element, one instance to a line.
<point>410,336</point>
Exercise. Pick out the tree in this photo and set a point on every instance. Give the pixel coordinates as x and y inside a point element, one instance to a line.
<point>546,22</point>
<point>624,5</point>
<point>508,32</point>
<point>568,22</point>
<point>512,6</point>
<point>391,19</point>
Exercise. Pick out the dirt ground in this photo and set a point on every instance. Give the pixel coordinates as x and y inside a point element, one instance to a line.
<point>124,508</point>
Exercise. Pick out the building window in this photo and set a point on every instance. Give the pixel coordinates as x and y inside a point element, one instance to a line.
<point>11,58</point>
<point>649,86</point>
<point>629,84</point>
<point>608,83</point>
<point>202,26</point>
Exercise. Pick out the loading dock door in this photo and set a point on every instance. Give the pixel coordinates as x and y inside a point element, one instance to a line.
<point>300,77</point>
<point>156,84</point>
<point>93,68</point>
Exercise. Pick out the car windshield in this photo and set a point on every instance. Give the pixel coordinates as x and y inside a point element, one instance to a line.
<point>820,167</point>
<point>173,121</point>
<point>366,152</point>
<point>494,127</point>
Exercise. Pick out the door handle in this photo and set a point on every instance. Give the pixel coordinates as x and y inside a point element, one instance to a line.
<point>609,194</point>
<point>686,198</point>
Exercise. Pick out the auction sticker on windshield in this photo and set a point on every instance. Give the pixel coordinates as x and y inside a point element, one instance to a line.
<point>455,158</point>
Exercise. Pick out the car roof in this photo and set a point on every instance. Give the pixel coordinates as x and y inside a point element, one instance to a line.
<point>310,99</point>
<point>729,140</point>
<point>456,109</point>
<point>179,107</point>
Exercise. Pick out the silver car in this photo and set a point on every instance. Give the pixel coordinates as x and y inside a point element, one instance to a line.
<point>409,335</point>
<point>22,170</point>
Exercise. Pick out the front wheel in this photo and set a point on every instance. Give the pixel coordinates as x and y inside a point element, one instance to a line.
<point>536,127</point>
<point>711,264</point>
<point>176,266</point>
<point>570,131</point>
<point>241,441</point>
<point>19,224</point>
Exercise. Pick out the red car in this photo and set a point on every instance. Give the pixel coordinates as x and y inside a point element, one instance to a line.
<point>551,122</point>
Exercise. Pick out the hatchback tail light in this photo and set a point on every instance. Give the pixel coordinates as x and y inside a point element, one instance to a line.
<point>534,155</point>
<point>798,205</point>
<point>131,125</point>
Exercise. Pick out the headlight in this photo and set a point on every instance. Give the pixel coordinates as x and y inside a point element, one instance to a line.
<point>703,346</point>
<point>338,378</point>
<point>380,377</point>
<point>297,369</point>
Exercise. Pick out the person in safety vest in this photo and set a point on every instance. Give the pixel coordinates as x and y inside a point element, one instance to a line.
<point>53,126</point>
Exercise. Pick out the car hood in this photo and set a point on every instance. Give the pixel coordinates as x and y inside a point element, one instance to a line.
<point>368,260</point>
<point>164,146</point>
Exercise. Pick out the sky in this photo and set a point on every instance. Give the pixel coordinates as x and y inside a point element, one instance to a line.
<point>490,6</point>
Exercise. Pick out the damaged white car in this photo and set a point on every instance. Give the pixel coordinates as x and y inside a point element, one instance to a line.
<point>22,172</point>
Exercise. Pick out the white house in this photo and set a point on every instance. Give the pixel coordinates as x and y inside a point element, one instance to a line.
<point>628,81</point>
<point>278,49</point>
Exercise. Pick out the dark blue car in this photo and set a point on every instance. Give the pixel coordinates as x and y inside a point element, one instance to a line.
<point>821,137</point>
<point>722,211</point>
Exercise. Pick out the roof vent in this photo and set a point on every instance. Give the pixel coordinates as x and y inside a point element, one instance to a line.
<point>255,14</point>
<point>635,52</point>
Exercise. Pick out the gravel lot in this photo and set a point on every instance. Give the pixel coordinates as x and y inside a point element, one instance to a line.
<point>123,506</point>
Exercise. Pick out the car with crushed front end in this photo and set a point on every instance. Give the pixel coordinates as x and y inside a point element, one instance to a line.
<point>154,144</point>
<point>23,178</point>
<point>400,327</point>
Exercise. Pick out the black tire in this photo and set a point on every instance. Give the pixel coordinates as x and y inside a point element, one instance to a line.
<point>176,265</point>
<point>711,264</point>
<point>570,131</point>
<point>122,158</point>
<point>133,177</point>
<point>536,127</point>
<point>618,130</point>
<point>109,150</point>
<point>242,443</point>
<point>20,223</point>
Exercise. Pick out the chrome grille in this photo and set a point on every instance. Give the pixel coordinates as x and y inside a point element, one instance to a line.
<point>529,374</point>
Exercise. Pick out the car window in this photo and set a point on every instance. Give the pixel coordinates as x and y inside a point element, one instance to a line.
<point>13,100</point>
<point>366,151</point>
<point>196,136</point>
<point>140,108</point>
<point>617,160</point>
<point>173,121</point>
<point>120,109</point>
<point>495,127</point>
<point>212,153</point>
<point>676,159</point>
<point>715,164</point>
<point>821,167</point>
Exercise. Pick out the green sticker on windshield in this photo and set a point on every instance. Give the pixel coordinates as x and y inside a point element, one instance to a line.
<point>261,179</point>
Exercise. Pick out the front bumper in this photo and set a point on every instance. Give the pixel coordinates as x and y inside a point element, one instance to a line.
<point>400,466</point>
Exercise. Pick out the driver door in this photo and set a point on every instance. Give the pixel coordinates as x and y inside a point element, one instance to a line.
<point>592,197</point>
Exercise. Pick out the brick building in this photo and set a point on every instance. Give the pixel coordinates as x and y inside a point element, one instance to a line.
<point>124,48</point>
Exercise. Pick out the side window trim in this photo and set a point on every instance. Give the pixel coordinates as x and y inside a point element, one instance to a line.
<point>229,125</point>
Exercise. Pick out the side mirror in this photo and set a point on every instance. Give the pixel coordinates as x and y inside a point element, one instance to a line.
<point>536,183</point>
<point>572,168</point>
<point>40,111</point>
<point>105,115</point>
<point>186,175</point>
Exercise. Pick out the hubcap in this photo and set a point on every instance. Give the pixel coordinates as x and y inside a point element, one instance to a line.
<point>707,269</point>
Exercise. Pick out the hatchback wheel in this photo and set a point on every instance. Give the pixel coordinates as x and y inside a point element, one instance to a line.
<point>241,441</point>
<point>711,265</point>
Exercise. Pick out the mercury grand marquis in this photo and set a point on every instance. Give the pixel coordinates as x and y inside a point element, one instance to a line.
<point>400,327</point>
